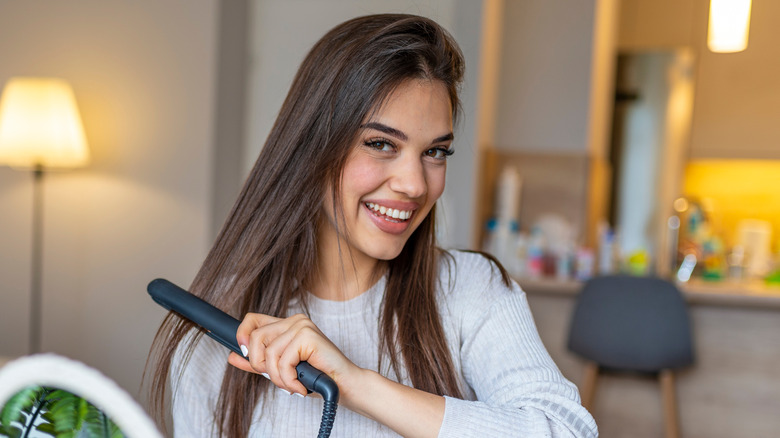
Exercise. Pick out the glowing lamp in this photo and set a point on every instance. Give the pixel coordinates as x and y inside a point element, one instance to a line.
<point>729,25</point>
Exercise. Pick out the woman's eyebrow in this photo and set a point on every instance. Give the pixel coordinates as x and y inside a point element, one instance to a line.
<point>386,129</point>
<point>400,135</point>
<point>446,137</point>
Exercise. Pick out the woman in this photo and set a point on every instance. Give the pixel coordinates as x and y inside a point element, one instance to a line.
<point>329,256</point>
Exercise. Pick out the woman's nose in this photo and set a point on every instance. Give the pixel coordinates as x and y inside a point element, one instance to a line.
<point>408,177</point>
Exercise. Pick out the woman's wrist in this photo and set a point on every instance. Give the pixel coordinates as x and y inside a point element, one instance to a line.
<point>408,411</point>
<point>352,388</point>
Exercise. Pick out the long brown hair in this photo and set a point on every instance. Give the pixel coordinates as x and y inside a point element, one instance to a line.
<point>267,246</point>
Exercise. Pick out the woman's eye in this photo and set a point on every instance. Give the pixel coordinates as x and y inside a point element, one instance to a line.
<point>440,153</point>
<point>380,145</point>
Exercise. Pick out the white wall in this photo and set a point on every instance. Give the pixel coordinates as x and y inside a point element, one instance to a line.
<point>143,74</point>
<point>282,33</point>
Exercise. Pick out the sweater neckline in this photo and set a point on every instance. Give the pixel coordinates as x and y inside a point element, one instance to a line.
<point>359,304</point>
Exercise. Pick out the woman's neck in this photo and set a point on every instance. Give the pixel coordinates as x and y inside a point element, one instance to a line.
<point>343,278</point>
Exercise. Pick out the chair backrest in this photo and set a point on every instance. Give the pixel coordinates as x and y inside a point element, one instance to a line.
<point>632,324</point>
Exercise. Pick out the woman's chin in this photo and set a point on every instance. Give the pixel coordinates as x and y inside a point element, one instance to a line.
<point>385,253</point>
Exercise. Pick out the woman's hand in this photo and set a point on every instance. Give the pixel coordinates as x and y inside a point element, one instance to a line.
<point>276,345</point>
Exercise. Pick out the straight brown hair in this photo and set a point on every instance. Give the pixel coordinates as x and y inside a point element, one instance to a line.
<point>266,250</point>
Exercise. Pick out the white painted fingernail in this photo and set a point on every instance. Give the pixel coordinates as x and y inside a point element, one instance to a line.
<point>265,375</point>
<point>244,351</point>
<point>298,394</point>
<point>285,391</point>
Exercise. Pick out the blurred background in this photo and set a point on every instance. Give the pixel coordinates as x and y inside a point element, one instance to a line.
<point>599,136</point>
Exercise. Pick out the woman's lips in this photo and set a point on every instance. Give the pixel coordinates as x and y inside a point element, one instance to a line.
<point>389,224</point>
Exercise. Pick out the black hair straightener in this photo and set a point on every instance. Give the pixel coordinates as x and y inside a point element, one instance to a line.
<point>222,327</point>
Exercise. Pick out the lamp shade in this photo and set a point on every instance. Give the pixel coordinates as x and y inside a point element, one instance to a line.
<point>729,25</point>
<point>40,125</point>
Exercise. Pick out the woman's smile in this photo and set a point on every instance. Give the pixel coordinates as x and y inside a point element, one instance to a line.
<point>393,175</point>
<point>388,219</point>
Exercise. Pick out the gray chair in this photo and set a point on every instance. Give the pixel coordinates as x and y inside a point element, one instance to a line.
<point>632,324</point>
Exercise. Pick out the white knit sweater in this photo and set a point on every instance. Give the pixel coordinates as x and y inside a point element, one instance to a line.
<point>512,387</point>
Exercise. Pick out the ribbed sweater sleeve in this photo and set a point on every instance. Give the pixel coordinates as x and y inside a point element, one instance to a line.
<point>519,390</point>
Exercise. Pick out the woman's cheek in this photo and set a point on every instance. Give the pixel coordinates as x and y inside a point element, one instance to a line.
<point>436,182</point>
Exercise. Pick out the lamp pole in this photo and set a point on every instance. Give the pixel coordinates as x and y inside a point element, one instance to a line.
<point>37,261</point>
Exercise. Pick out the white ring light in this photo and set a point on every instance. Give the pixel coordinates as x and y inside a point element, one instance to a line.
<point>75,377</point>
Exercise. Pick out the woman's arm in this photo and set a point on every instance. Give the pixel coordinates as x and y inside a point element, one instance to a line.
<point>519,389</point>
<point>408,411</point>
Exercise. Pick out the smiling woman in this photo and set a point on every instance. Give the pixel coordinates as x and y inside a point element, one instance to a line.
<point>329,256</point>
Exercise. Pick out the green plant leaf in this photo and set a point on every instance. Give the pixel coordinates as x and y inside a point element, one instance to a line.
<point>67,412</point>
<point>99,425</point>
<point>16,405</point>
<point>11,431</point>
<point>46,428</point>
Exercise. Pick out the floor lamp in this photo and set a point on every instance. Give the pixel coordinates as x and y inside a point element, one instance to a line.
<point>40,128</point>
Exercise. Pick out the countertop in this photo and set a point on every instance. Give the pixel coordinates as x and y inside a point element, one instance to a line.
<point>755,294</point>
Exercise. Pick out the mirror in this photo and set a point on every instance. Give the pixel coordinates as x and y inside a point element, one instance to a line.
<point>48,395</point>
<point>650,131</point>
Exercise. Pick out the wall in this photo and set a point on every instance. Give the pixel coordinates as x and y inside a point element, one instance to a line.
<point>545,76</point>
<point>144,76</point>
<point>737,94</point>
<point>273,65</point>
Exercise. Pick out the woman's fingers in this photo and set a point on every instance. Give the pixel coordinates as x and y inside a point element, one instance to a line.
<point>275,346</point>
<point>289,358</point>
<point>287,344</point>
<point>240,363</point>
<point>251,322</point>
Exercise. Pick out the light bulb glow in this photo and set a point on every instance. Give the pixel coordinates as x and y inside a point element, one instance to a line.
<point>729,25</point>
<point>40,125</point>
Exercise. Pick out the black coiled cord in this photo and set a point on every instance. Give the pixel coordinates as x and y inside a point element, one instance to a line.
<point>316,381</point>
<point>328,416</point>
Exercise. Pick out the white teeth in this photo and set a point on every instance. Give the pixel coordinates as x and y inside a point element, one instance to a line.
<point>389,212</point>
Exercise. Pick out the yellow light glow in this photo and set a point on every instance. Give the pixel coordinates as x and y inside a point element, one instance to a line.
<point>736,190</point>
<point>729,25</point>
<point>681,205</point>
<point>40,125</point>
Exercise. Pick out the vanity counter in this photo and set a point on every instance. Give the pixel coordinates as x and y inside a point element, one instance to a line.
<point>754,294</point>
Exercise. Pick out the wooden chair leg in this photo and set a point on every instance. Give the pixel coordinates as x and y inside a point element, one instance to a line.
<point>672,426</point>
<point>589,380</point>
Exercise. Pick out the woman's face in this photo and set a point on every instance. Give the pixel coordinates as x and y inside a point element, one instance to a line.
<point>394,174</point>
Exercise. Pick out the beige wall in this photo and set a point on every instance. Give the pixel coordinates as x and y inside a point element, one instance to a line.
<point>737,94</point>
<point>144,77</point>
<point>545,76</point>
